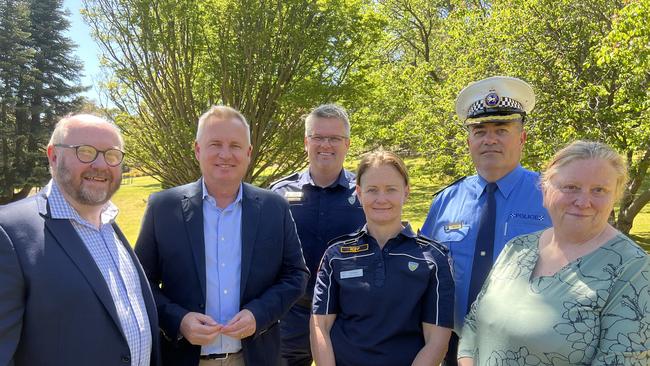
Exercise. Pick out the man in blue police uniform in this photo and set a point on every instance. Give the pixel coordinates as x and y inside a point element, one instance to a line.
<point>324,206</point>
<point>475,216</point>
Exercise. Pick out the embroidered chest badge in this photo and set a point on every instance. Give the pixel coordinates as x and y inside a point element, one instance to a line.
<point>354,248</point>
<point>413,266</point>
<point>352,199</point>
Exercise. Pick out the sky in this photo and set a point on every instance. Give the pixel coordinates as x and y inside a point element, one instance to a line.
<point>87,50</point>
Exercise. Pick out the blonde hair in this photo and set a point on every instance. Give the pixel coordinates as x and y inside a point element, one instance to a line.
<point>382,157</point>
<point>222,112</point>
<point>584,150</point>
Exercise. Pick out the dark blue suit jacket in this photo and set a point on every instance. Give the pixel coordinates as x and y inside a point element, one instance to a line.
<point>55,307</point>
<point>172,251</point>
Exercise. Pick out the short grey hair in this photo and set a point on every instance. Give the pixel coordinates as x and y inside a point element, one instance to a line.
<point>222,112</point>
<point>327,111</point>
<point>62,127</point>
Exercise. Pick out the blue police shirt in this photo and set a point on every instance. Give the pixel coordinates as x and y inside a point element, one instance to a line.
<point>321,214</point>
<point>381,297</point>
<point>453,220</point>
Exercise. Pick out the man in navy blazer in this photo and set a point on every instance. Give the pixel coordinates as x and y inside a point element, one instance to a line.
<point>223,257</point>
<point>71,289</point>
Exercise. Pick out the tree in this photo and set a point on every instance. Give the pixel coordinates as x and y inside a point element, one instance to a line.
<point>16,56</point>
<point>38,74</point>
<point>583,93</point>
<point>420,67</point>
<point>588,62</point>
<point>272,60</point>
<point>626,49</point>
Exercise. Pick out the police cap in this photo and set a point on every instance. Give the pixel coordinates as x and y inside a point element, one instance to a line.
<point>495,99</point>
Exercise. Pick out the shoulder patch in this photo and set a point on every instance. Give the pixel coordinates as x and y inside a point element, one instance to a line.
<point>291,177</point>
<point>449,185</point>
<point>347,239</point>
<point>426,241</point>
<point>351,177</point>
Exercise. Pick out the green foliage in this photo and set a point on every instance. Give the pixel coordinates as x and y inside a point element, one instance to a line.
<point>37,85</point>
<point>587,60</point>
<point>273,61</point>
<point>397,65</point>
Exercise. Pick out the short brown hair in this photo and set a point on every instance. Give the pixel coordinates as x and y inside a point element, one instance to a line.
<point>382,157</point>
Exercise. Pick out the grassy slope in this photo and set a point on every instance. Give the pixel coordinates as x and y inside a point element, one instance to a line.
<point>132,196</point>
<point>131,199</point>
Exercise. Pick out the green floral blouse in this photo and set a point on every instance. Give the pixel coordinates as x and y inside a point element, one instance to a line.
<point>593,311</point>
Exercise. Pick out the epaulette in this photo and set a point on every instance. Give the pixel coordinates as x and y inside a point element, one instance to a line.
<point>425,241</point>
<point>346,239</point>
<point>449,185</point>
<point>293,176</point>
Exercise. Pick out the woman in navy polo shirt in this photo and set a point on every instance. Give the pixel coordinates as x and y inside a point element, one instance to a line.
<point>383,295</point>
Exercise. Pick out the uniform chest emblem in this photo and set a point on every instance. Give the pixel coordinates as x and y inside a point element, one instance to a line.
<point>293,196</point>
<point>354,248</point>
<point>413,266</point>
<point>352,199</point>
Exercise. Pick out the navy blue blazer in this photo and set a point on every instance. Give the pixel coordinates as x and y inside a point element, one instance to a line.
<point>55,307</point>
<point>172,251</point>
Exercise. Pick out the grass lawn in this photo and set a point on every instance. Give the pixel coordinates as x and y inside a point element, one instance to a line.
<point>132,200</point>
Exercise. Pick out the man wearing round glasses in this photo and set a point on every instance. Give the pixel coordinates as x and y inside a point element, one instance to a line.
<point>93,185</point>
<point>324,205</point>
<point>72,289</point>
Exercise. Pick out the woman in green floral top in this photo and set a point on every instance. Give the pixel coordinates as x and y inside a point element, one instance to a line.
<point>575,294</point>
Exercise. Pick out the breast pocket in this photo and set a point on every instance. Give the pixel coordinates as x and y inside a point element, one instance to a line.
<point>460,251</point>
<point>524,223</point>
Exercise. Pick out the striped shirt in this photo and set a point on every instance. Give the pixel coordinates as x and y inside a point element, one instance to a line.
<point>117,268</point>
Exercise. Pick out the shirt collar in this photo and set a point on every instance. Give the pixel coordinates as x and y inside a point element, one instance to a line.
<point>507,183</point>
<point>206,194</point>
<point>406,230</point>
<point>60,208</point>
<point>343,179</point>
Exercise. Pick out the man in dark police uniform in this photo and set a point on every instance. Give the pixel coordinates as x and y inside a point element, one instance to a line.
<point>324,206</point>
<point>475,216</point>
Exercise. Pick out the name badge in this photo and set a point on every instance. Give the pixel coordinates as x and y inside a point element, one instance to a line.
<point>453,226</point>
<point>352,273</point>
<point>293,196</point>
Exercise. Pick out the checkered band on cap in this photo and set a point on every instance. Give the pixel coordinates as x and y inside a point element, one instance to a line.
<point>480,106</point>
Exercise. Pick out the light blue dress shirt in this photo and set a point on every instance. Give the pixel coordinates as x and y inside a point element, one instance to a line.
<point>117,269</point>
<point>222,236</point>
<point>453,220</point>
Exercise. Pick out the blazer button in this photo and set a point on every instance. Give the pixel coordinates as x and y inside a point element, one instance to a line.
<point>126,359</point>
<point>201,306</point>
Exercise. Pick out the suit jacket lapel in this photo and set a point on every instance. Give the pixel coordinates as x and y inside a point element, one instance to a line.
<point>69,240</point>
<point>249,220</point>
<point>192,206</point>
